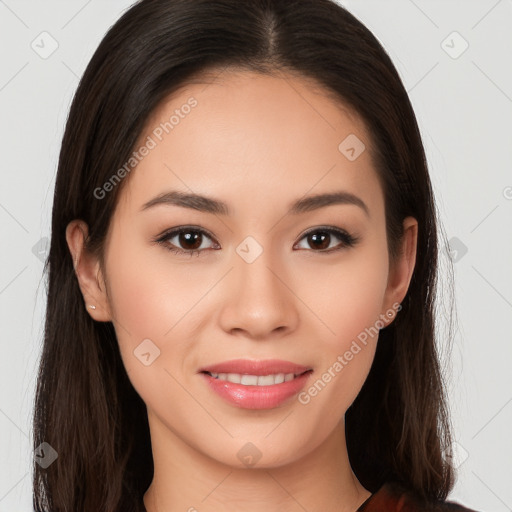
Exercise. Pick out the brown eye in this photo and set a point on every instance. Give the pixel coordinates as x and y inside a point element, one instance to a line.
<point>190,239</point>
<point>185,241</point>
<point>320,239</point>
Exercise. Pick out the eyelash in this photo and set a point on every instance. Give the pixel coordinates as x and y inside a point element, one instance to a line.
<point>347,239</point>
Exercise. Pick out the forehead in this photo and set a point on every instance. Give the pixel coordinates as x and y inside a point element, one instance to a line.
<point>239,135</point>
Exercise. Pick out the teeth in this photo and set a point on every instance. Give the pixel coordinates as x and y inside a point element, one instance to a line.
<point>254,380</point>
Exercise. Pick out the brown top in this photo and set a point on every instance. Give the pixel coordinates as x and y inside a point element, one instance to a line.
<point>392,497</point>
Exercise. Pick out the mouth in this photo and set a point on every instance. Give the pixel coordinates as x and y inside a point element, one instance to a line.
<point>250,391</point>
<point>256,380</point>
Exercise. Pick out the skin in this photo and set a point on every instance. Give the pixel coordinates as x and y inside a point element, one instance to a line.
<point>257,143</point>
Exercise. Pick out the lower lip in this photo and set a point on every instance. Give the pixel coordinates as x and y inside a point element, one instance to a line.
<point>256,397</point>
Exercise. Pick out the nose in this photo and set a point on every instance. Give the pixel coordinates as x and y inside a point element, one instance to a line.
<point>258,299</point>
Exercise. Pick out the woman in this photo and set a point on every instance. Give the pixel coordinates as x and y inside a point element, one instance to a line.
<point>242,273</point>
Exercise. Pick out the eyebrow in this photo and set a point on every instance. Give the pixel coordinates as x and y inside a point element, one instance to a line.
<point>214,206</point>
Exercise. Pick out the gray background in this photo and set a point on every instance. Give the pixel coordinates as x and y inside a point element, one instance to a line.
<point>463,101</point>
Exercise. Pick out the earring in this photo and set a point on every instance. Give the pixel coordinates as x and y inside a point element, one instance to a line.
<point>92,306</point>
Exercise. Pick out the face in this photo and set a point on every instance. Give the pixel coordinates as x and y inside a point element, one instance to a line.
<point>270,274</point>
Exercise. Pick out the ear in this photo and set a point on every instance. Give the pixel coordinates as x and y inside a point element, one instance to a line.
<point>400,273</point>
<point>88,272</point>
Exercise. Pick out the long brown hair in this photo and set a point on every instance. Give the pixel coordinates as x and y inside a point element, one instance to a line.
<point>85,406</point>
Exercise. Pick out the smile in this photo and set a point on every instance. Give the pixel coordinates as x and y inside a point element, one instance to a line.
<point>256,391</point>
<point>254,380</point>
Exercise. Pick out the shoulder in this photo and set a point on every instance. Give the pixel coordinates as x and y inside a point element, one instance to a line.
<point>393,497</point>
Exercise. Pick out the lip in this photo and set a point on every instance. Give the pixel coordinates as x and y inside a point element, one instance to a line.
<point>256,397</point>
<point>252,367</point>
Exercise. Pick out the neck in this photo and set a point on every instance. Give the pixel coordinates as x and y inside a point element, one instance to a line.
<point>188,480</point>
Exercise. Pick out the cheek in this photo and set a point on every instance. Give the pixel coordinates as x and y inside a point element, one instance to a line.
<point>149,294</point>
<point>348,300</point>
<point>154,298</point>
<point>348,294</point>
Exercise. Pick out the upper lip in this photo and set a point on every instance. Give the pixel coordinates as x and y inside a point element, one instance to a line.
<point>252,367</point>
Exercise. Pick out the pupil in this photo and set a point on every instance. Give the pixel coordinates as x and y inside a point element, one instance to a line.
<point>187,238</point>
<point>315,238</point>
